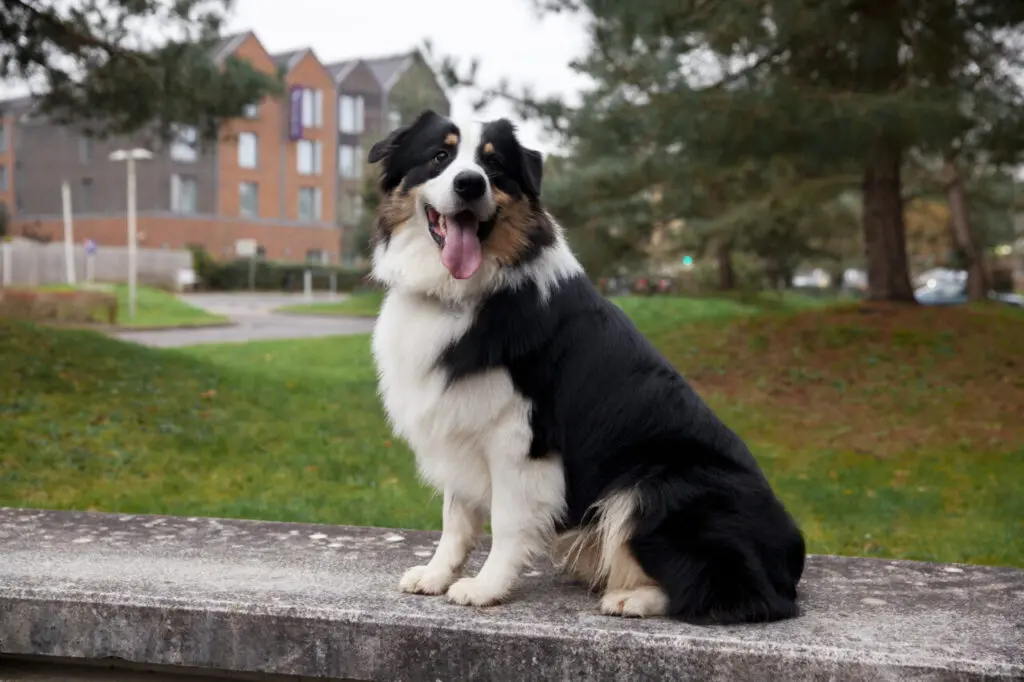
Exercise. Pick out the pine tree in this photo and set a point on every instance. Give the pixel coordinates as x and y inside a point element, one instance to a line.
<point>735,109</point>
<point>90,64</point>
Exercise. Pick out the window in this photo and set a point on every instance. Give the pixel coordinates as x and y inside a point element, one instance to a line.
<point>312,108</point>
<point>84,149</point>
<point>352,208</point>
<point>251,111</point>
<point>394,120</point>
<point>317,257</point>
<point>184,147</point>
<point>249,199</point>
<point>3,179</point>
<point>183,194</point>
<point>310,157</point>
<point>85,200</point>
<point>309,204</point>
<point>350,161</point>
<point>248,150</point>
<point>350,115</point>
<point>3,137</point>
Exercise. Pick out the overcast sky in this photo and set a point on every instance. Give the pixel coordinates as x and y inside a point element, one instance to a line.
<point>508,37</point>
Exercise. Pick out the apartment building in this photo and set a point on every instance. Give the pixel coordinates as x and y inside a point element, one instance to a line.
<point>289,173</point>
<point>375,96</point>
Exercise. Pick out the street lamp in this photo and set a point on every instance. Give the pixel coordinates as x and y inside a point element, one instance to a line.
<point>131,155</point>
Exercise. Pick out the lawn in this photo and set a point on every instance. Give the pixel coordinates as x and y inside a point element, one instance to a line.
<point>650,312</point>
<point>892,432</point>
<point>358,304</point>
<point>156,308</point>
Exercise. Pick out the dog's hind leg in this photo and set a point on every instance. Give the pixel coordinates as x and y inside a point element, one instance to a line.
<point>628,590</point>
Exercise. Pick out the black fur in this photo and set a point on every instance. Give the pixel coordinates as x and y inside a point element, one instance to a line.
<point>710,529</point>
<point>512,168</point>
<point>411,152</point>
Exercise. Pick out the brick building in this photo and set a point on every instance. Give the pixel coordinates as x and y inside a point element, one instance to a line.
<point>289,173</point>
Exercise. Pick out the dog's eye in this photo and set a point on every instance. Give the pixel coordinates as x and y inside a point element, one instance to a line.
<point>440,156</point>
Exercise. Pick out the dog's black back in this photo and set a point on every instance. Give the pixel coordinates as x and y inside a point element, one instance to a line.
<point>709,528</point>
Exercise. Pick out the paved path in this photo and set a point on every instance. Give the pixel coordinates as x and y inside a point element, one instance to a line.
<point>254,320</point>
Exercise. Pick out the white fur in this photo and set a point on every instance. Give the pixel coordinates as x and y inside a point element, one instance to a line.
<point>471,439</point>
<point>438,191</point>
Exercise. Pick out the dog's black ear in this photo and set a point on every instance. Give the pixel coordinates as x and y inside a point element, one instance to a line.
<point>383,148</point>
<point>533,171</point>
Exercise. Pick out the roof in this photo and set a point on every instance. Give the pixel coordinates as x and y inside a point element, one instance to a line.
<point>228,44</point>
<point>340,70</point>
<point>387,69</point>
<point>288,60</point>
<point>18,106</point>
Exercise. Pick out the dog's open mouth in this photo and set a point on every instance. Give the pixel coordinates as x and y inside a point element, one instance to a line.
<point>458,236</point>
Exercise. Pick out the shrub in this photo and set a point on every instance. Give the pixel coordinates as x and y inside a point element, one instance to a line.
<point>59,306</point>
<point>272,276</point>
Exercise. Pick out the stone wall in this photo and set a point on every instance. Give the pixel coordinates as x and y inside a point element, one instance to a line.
<point>210,598</point>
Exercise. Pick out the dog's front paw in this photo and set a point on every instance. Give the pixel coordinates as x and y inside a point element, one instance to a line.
<point>426,580</point>
<point>476,592</point>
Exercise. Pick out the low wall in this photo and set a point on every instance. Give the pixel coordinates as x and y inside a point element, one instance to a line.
<point>219,599</point>
<point>32,264</point>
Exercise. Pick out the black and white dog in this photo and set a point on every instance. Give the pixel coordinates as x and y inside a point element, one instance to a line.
<point>524,393</point>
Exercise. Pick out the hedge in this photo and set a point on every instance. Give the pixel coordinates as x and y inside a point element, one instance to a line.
<point>233,275</point>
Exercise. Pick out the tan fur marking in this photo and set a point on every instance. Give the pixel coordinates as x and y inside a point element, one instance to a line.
<point>488,148</point>
<point>599,556</point>
<point>452,139</point>
<point>394,212</point>
<point>511,235</point>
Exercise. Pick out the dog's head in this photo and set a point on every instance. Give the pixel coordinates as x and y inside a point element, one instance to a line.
<point>459,204</point>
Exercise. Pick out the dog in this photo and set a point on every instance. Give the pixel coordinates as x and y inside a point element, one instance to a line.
<point>527,395</point>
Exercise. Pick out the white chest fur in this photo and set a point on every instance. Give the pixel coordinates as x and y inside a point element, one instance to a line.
<point>454,430</point>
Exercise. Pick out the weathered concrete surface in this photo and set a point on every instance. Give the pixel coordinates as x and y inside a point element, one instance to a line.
<point>323,601</point>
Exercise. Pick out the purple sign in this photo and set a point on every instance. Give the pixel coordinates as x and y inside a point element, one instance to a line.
<point>295,113</point>
<point>90,247</point>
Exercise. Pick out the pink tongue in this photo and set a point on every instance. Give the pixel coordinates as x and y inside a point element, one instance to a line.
<point>461,253</point>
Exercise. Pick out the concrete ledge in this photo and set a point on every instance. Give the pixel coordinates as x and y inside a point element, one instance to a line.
<point>250,598</point>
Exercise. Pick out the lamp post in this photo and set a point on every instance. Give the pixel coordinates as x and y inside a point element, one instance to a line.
<point>130,156</point>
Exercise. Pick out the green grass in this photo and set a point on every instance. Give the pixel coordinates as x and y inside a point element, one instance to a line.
<point>889,433</point>
<point>651,312</point>
<point>156,308</point>
<point>359,304</point>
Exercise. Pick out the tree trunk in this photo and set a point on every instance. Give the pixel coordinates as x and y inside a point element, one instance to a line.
<point>959,222</point>
<point>726,276</point>
<point>885,239</point>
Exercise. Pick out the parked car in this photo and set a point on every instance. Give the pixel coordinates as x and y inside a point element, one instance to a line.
<point>953,293</point>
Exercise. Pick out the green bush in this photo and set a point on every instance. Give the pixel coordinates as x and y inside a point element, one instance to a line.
<point>272,276</point>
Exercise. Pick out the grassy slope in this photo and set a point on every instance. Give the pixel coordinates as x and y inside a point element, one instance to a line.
<point>890,434</point>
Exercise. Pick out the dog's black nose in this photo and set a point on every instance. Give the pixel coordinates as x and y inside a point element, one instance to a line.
<point>469,185</point>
